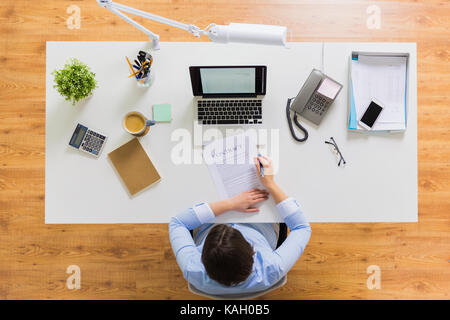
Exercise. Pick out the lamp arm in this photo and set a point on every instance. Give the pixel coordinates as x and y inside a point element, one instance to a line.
<point>115,7</point>
<point>150,34</point>
<point>156,18</point>
<point>234,32</point>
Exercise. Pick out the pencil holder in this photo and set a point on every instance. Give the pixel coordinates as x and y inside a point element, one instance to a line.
<point>146,81</point>
<point>141,69</point>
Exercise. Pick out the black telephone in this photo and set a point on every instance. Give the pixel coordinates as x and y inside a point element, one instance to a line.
<point>312,102</point>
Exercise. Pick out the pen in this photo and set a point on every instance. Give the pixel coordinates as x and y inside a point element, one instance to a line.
<point>261,168</point>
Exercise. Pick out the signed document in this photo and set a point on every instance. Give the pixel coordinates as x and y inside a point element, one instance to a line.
<point>231,164</point>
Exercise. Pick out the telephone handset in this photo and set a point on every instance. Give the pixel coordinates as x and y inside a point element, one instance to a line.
<point>313,100</point>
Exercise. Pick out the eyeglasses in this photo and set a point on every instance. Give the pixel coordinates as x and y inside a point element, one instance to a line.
<point>336,150</point>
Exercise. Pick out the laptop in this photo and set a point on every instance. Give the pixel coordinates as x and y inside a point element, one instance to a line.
<point>228,95</point>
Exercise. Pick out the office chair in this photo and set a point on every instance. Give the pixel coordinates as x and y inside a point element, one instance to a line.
<point>247,295</point>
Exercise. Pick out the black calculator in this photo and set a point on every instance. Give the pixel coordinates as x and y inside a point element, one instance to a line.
<point>87,140</point>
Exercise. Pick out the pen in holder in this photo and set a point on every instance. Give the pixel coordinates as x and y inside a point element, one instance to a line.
<point>141,69</point>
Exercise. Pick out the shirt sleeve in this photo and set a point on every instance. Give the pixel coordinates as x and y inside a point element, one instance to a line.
<point>300,231</point>
<point>181,240</point>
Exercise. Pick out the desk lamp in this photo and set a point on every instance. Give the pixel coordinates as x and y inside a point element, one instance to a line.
<point>234,32</point>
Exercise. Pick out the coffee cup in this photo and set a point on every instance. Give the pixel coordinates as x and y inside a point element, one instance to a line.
<point>136,123</point>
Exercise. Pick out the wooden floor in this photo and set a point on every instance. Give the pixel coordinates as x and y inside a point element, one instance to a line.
<point>136,261</point>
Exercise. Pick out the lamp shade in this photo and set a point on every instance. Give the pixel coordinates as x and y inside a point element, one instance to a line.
<point>248,33</point>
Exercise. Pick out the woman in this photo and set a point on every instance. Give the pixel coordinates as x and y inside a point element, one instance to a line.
<point>236,258</point>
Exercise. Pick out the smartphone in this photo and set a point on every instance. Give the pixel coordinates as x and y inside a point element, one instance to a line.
<point>371,114</point>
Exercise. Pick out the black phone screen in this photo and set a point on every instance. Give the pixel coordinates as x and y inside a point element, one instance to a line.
<point>371,114</point>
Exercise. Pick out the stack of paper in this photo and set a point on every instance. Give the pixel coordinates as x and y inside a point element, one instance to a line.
<point>162,113</point>
<point>384,79</point>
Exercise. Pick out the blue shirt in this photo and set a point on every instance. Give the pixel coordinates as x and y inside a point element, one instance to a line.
<point>269,265</point>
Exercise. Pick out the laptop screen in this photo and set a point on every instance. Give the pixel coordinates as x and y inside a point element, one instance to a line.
<point>228,81</point>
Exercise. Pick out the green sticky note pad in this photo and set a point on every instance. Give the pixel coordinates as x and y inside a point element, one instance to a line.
<point>162,113</point>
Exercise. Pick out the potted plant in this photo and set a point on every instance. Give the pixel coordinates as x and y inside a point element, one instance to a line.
<point>75,81</point>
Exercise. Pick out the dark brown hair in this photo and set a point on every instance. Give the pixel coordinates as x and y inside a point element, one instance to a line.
<point>227,256</point>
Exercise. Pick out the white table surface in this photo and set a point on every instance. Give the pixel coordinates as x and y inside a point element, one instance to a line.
<point>82,189</point>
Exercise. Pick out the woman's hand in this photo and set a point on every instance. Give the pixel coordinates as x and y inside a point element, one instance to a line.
<point>268,180</point>
<point>244,201</point>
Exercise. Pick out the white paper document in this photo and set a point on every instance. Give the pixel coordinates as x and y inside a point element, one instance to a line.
<point>382,78</point>
<point>230,162</point>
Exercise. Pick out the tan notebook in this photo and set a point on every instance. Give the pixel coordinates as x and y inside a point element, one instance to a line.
<point>134,166</point>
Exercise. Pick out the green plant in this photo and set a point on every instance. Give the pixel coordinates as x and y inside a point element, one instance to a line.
<point>75,81</point>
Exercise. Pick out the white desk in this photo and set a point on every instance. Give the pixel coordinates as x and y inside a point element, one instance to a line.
<point>81,189</point>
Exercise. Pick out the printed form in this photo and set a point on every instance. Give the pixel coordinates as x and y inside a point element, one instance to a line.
<point>230,162</point>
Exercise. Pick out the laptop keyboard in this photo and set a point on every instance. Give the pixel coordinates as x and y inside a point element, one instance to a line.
<point>230,111</point>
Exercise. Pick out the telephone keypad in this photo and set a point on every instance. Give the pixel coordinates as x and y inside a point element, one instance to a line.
<point>318,104</point>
